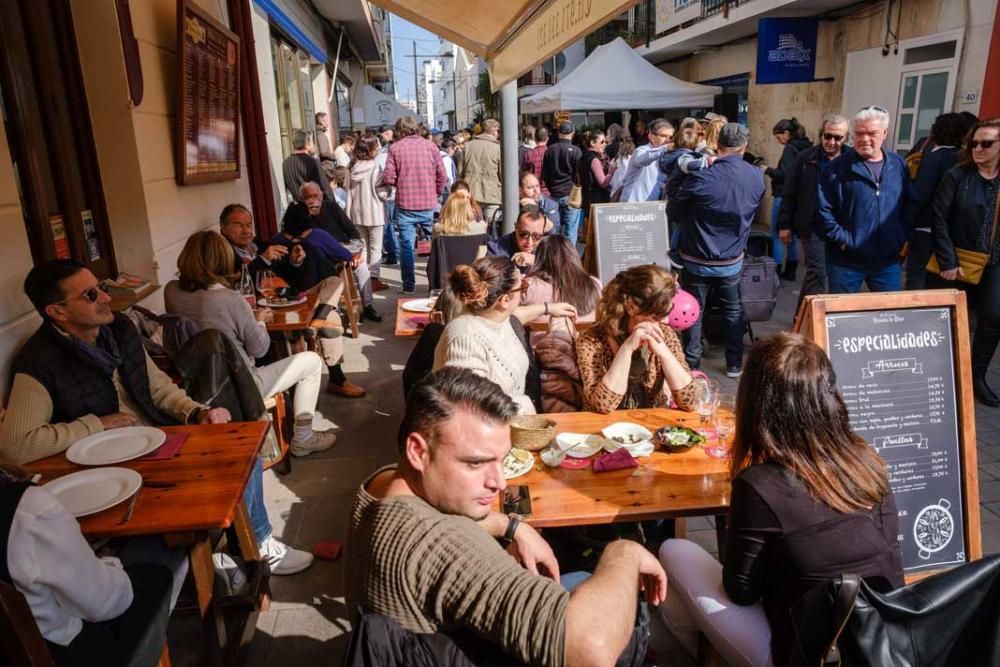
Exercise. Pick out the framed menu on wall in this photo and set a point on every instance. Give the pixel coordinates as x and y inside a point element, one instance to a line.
<point>208,82</point>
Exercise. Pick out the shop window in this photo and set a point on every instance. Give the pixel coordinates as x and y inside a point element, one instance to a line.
<point>923,97</point>
<point>293,85</point>
<point>50,136</point>
<point>343,98</point>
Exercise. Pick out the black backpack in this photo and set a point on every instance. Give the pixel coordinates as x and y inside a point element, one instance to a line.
<point>759,281</point>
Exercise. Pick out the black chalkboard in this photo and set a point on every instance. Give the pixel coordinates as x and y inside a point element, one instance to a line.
<point>896,372</point>
<point>629,234</point>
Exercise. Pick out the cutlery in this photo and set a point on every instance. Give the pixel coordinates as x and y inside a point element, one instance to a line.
<point>131,506</point>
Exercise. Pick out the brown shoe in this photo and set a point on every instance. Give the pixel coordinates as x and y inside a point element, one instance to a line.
<point>347,390</point>
<point>378,285</point>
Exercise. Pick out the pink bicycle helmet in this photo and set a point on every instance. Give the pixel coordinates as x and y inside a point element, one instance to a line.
<point>686,311</point>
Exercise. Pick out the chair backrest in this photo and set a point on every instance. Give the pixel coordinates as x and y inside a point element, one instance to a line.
<point>447,252</point>
<point>21,644</point>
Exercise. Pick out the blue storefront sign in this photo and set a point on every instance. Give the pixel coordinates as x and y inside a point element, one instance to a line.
<point>786,50</point>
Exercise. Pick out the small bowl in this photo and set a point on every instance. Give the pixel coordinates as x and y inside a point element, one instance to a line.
<point>633,434</point>
<point>661,439</point>
<point>532,432</point>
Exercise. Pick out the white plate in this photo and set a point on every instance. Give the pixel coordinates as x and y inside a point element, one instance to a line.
<point>515,468</point>
<point>286,304</point>
<point>115,445</point>
<point>583,444</point>
<point>419,306</point>
<point>643,446</point>
<point>91,491</point>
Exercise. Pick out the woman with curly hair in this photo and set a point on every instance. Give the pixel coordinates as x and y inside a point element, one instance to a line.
<point>484,338</point>
<point>631,358</point>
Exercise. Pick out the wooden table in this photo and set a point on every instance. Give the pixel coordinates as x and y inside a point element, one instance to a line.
<point>663,486</point>
<point>294,318</point>
<point>407,323</point>
<point>122,300</point>
<point>183,498</point>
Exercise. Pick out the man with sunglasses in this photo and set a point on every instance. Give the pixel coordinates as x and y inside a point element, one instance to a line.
<point>84,371</point>
<point>864,210</point>
<point>532,225</point>
<point>642,177</point>
<point>798,204</point>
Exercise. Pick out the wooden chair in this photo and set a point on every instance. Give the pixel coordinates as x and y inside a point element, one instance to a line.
<point>282,462</point>
<point>21,644</point>
<point>351,299</point>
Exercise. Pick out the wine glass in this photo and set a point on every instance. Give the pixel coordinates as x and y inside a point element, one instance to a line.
<point>724,421</point>
<point>706,399</point>
<point>265,284</point>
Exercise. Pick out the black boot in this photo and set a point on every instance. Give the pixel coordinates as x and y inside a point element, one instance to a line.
<point>983,393</point>
<point>369,313</point>
<point>789,273</point>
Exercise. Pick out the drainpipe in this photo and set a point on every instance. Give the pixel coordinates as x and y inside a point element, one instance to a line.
<point>508,138</point>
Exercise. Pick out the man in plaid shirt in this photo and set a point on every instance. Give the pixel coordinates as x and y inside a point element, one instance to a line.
<point>414,166</point>
<point>532,160</point>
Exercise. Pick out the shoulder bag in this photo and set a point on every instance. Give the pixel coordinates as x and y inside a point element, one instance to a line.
<point>972,262</point>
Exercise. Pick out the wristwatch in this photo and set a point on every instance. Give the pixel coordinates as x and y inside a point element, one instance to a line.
<point>508,535</point>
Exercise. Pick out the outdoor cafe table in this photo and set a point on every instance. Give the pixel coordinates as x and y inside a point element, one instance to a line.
<point>407,323</point>
<point>664,486</point>
<point>199,490</point>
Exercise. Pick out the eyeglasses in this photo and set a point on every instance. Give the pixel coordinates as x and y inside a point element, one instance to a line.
<point>827,136</point>
<point>874,107</point>
<point>985,143</point>
<point>89,295</point>
<point>520,288</point>
<point>525,234</point>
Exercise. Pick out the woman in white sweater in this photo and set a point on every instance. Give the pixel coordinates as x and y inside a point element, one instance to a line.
<point>482,338</point>
<point>84,606</point>
<point>204,295</point>
<point>366,201</point>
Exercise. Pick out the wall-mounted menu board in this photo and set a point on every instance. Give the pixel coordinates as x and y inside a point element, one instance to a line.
<point>627,234</point>
<point>208,81</point>
<point>902,365</point>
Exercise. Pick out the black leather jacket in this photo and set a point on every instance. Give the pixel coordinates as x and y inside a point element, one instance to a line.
<point>960,206</point>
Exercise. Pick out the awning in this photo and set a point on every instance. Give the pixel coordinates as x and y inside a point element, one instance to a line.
<point>373,108</point>
<point>614,77</point>
<point>513,35</point>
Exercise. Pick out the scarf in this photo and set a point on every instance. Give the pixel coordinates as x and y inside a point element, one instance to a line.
<point>104,354</point>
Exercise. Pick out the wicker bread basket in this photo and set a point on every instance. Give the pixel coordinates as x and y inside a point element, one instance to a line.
<point>532,432</point>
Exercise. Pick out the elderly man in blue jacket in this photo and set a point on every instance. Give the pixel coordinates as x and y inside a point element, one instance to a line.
<point>863,211</point>
<point>715,208</point>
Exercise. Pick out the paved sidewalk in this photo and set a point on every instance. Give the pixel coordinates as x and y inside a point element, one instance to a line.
<point>307,623</point>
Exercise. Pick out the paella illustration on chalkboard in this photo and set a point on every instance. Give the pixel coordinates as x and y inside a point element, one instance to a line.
<point>934,528</point>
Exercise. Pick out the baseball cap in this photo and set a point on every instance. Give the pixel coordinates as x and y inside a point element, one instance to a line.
<point>733,135</point>
<point>435,131</point>
<point>566,127</point>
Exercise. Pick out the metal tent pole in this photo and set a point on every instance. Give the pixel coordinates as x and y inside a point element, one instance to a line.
<point>508,138</point>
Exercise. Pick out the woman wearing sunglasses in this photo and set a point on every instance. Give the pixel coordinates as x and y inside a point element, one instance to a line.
<point>965,217</point>
<point>488,337</point>
<point>631,358</point>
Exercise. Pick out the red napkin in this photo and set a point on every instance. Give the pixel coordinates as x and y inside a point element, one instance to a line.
<point>420,320</point>
<point>168,449</point>
<point>328,550</point>
<point>423,248</point>
<point>616,460</point>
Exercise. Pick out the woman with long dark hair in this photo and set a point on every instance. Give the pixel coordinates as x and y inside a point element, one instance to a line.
<point>631,358</point>
<point>594,170</point>
<point>790,134</point>
<point>810,501</point>
<point>965,216</point>
<point>558,275</point>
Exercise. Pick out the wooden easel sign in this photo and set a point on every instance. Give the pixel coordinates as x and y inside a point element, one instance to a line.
<point>903,368</point>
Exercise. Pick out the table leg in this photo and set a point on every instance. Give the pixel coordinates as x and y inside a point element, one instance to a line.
<point>213,623</point>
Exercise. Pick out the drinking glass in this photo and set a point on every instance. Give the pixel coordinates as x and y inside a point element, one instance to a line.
<point>725,418</point>
<point>265,284</point>
<point>706,399</point>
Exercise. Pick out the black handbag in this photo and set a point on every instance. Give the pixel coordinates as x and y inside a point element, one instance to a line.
<point>951,619</point>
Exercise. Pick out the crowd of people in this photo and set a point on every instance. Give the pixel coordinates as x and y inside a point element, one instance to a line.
<point>426,549</point>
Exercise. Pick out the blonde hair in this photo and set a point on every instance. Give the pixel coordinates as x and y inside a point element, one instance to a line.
<point>687,138</point>
<point>649,287</point>
<point>207,259</point>
<point>457,215</point>
<point>712,133</point>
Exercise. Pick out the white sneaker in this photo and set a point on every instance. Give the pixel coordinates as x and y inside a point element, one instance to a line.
<point>284,559</point>
<point>229,574</point>
<point>317,442</point>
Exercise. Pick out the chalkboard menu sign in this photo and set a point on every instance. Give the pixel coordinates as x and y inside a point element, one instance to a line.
<point>208,136</point>
<point>895,372</point>
<point>628,234</point>
<point>902,366</point>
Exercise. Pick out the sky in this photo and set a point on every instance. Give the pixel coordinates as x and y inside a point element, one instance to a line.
<point>404,34</point>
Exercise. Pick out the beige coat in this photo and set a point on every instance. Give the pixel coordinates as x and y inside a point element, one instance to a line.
<point>481,168</point>
<point>365,199</point>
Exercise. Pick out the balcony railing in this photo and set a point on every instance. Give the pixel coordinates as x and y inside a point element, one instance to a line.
<point>638,25</point>
<point>536,77</point>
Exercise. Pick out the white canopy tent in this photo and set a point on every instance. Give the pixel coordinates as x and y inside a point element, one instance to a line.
<point>373,108</point>
<point>614,76</point>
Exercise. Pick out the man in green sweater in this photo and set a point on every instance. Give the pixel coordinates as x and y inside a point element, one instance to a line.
<point>427,550</point>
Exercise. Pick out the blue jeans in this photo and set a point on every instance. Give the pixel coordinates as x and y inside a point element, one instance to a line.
<point>777,247</point>
<point>847,280</point>
<point>569,219</point>
<point>634,653</point>
<point>921,249</point>
<point>253,496</point>
<point>389,243</point>
<point>726,291</point>
<point>407,222</point>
